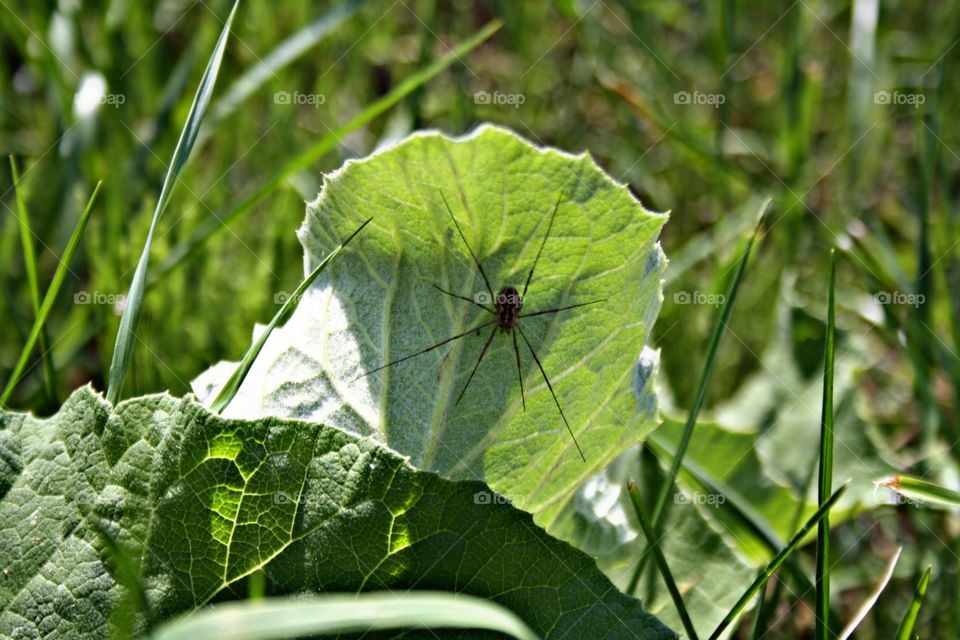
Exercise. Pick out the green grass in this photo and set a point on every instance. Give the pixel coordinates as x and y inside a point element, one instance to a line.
<point>825,484</point>
<point>800,122</point>
<point>30,266</point>
<point>326,615</point>
<point>775,563</point>
<point>129,321</point>
<point>905,630</point>
<point>43,311</point>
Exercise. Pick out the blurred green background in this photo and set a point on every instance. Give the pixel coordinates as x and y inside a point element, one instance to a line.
<point>841,112</point>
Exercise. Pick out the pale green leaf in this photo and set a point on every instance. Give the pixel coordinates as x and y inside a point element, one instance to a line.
<point>375,306</point>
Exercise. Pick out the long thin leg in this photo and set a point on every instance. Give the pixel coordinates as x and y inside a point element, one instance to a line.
<point>477,366</point>
<point>572,306</point>
<point>471,301</point>
<point>542,244</point>
<point>421,352</point>
<point>476,261</point>
<point>516,350</point>
<point>550,386</point>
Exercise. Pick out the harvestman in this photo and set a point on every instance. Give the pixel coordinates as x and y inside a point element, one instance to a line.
<point>506,317</point>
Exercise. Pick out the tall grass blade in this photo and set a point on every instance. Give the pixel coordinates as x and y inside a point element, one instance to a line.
<point>905,630</point>
<point>317,150</point>
<point>232,385</point>
<point>760,621</point>
<point>33,282</point>
<point>775,563</point>
<point>825,484</point>
<point>58,277</point>
<point>127,334</point>
<point>275,618</point>
<point>737,515</point>
<point>718,330</point>
<point>918,322</point>
<point>653,544</point>
<point>871,599</point>
<point>278,58</point>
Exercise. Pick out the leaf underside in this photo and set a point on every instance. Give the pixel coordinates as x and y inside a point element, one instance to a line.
<point>378,303</point>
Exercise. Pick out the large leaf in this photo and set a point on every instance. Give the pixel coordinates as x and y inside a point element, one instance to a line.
<point>378,304</point>
<point>197,502</point>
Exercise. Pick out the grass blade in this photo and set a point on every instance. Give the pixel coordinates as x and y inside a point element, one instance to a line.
<point>232,385</point>
<point>775,563</point>
<point>654,547</point>
<point>278,58</point>
<point>871,599</point>
<point>905,630</point>
<point>58,277</point>
<point>317,150</point>
<point>33,282</point>
<point>736,514</point>
<point>825,485</point>
<point>918,322</point>
<point>127,334</point>
<point>759,622</point>
<point>342,614</point>
<point>922,491</point>
<point>718,330</point>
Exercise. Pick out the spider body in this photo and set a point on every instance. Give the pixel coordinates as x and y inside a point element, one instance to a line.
<point>507,309</point>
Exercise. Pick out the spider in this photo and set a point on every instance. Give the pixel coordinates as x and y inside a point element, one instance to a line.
<point>506,312</point>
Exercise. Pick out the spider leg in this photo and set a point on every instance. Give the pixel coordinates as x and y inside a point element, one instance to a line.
<point>550,386</point>
<point>422,351</point>
<point>555,310</point>
<point>542,244</point>
<point>477,366</point>
<point>486,280</point>
<point>471,301</point>
<point>516,350</point>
